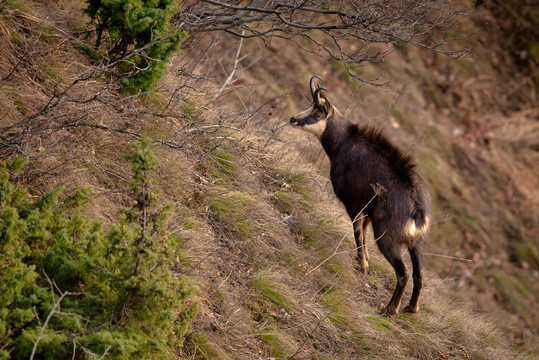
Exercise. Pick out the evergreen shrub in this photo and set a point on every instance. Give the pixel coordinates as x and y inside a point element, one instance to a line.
<point>142,26</point>
<point>69,288</point>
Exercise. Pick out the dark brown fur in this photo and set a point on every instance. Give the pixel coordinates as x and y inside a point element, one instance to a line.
<point>378,185</point>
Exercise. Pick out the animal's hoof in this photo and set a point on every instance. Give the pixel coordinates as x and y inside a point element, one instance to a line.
<point>411,309</point>
<point>363,268</point>
<point>389,311</point>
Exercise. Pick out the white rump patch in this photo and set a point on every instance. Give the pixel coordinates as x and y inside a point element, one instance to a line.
<point>412,230</point>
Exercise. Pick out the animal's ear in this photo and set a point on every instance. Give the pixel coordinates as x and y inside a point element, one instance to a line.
<point>319,99</point>
<point>327,106</point>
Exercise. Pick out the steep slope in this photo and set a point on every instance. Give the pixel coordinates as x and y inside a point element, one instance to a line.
<point>265,241</point>
<point>274,258</point>
<point>472,125</point>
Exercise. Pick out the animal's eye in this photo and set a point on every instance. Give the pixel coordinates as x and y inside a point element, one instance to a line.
<point>317,115</point>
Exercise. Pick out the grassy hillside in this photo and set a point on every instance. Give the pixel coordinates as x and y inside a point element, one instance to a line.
<point>472,126</point>
<point>264,240</point>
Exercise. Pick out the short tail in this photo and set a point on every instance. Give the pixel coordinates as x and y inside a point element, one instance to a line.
<point>418,224</point>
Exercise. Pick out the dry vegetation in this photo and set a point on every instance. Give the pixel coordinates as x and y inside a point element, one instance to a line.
<point>472,125</point>
<point>268,246</point>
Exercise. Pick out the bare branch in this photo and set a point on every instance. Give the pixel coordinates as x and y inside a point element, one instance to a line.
<point>334,29</point>
<point>234,67</point>
<point>53,311</point>
<point>90,352</point>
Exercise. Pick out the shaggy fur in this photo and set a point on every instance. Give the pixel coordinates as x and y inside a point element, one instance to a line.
<point>378,185</point>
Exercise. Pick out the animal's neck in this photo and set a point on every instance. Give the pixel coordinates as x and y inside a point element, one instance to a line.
<point>332,137</point>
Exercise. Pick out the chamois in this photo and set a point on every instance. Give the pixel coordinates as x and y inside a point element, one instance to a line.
<point>378,185</point>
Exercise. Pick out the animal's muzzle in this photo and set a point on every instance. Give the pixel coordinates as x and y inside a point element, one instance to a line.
<point>293,121</point>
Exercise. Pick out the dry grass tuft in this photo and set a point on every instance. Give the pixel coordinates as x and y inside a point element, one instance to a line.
<point>266,243</point>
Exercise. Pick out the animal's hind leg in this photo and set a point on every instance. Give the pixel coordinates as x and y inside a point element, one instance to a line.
<point>392,252</point>
<point>359,235</point>
<point>366,223</point>
<point>415,255</point>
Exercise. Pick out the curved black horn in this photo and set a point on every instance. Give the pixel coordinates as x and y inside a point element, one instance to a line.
<point>311,84</point>
<point>316,94</point>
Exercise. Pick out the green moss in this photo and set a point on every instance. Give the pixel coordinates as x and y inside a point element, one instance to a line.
<point>526,251</point>
<point>293,263</point>
<point>297,182</point>
<point>381,323</point>
<point>285,201</point>
<point>473,221</point>
<point>322,236</point>
<point>455,325</point>
<point>468,66</point>
<point>17,5</point>
<point>17,39</point>
<point>234,210</point>
<point>362,345</point>
<point>330,263</point>
<point>155,101</point>
<point>320,231</point>
<point>18,102</point>
<point>379,267</point>
<point>280,348</point>
<point>157,130</point>
<point>264,285</point>
<point>335,303</point>
<point>53,71</point>
<point>225,165</point>
<point>201,347</point>
<point>48,35</point>
<point>434,133</point>
<point>190,111</point>
<point>191,224</point>
<point>513,289</point>
<point>88,51</point>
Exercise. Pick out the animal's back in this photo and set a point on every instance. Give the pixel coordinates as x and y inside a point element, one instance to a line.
<point>386,162</point>
<point>373,178</point>
<point>369,158</point>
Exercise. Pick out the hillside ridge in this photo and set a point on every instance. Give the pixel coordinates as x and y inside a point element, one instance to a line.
<point>263,238</point>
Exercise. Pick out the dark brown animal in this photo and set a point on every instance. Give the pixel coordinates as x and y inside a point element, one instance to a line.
<point>378,185</point>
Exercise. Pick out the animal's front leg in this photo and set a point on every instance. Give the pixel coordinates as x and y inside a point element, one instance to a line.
<point>366,223</point>
<point>361,245</point>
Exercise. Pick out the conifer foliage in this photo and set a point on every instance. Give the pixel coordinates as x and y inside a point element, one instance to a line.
<point>140,34</point>
<point>70,290</point>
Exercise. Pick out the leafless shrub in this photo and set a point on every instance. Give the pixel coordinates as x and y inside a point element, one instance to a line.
<point>348,31</point>
<point>84,97</point>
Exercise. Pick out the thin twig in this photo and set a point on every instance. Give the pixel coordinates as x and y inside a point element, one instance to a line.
<point>326,259</point>
<point>234,67</point>
<point>358,216</point>
<point>448,257</point>
<point>51,313</point>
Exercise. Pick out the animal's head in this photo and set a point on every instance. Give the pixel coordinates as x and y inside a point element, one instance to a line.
<point>316,117</point>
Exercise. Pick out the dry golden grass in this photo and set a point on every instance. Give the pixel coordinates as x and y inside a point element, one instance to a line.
<point>472,126</point>
<point>265,241</point>
<point>289,296</point>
